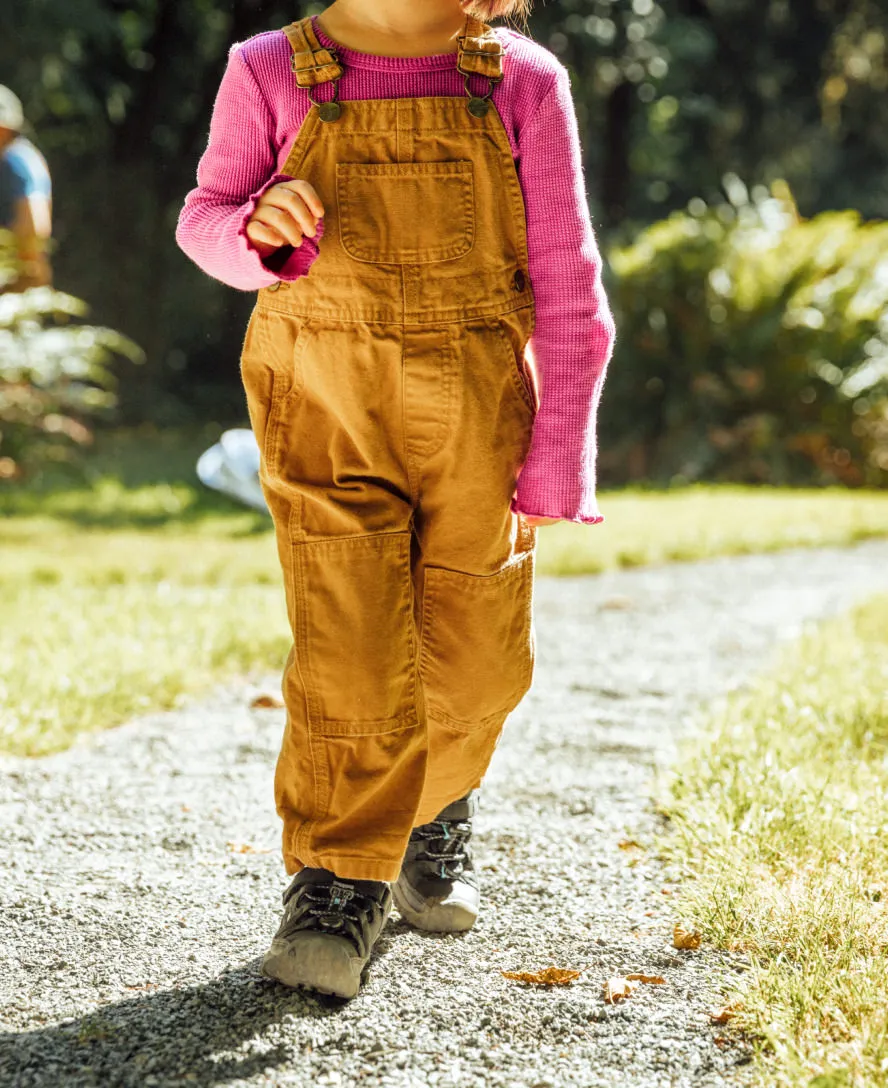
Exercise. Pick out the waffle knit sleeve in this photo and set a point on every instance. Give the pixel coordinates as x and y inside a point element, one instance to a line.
<point>238,166</point>
<point>574,334</point>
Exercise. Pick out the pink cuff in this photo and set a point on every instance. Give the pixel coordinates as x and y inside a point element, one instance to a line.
<point>556,482</point>
<point>300,258</point>
<point>582,519</point>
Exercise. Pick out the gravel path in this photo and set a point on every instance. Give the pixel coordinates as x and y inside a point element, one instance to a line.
<point>140,876</point>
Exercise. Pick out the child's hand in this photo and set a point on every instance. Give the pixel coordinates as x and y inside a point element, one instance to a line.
<point>284,215</point>
<point>534,522</point>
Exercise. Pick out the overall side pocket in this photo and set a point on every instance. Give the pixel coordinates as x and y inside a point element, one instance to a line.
<point>272,374</point>
<point>514,350</point>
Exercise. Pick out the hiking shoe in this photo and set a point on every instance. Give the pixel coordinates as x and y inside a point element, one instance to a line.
<point>327,933</point>
<point>437,889</point>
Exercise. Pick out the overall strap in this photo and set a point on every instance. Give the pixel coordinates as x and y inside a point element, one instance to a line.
<point>312,63</point>
<point>480,52</point>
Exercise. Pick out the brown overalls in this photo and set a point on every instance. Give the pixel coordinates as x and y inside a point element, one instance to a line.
<point>390,399</point>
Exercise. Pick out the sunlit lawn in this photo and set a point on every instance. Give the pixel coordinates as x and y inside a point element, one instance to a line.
<point>780,816</point>
<point>135,586</point>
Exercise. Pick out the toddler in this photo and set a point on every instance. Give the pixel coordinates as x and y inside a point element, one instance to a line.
<point>403,187</point>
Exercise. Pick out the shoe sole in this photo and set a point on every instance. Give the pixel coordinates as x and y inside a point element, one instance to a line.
<point>283,968</point>
<point>453,917</point>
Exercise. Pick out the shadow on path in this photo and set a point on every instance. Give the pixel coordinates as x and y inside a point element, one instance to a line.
<point>173,1037</point>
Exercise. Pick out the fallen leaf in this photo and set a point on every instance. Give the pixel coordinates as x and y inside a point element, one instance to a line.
<point>618,604</point>
<point>629,844</point>
<point>723,1015</point>
<point>651,913</point>
<point>245,848</point>
<point>551,976</point>
<point>616,989</point>
<point>683,938</point>
<point>266,702</point>
<point>653,980</point>
<point>720,1041</point>
<point>186,808</point>
<point>666,891</point>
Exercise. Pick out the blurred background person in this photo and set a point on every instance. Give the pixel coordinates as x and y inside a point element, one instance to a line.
<point>25,196</point>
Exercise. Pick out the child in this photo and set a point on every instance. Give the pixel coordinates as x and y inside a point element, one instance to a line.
<point>403,187</point>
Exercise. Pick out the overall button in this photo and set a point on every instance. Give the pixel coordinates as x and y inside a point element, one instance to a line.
<point>519,281</point>
<point>329,111</point>
<point>276,286</point>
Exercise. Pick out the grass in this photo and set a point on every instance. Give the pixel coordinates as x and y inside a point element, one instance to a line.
<point>782,818</point>
<point>128,586</point>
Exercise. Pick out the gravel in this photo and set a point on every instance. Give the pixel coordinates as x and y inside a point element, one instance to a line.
<point>141,877</point>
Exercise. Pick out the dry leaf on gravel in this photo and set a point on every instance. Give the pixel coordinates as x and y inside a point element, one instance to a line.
<point>617,603</point>
<point>552,976</point>
<point>616,989</point>
<point>245,848</point>
<point>266,702</point>
<point>629,844</point>
<point>723,1015</point>
<point>684,938</point>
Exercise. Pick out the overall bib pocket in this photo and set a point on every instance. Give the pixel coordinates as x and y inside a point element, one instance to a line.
<point>406,213</point>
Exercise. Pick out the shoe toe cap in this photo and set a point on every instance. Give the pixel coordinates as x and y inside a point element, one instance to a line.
<point>315,961</point>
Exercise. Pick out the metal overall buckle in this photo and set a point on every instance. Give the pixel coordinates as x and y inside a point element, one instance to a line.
<point>331,108</point>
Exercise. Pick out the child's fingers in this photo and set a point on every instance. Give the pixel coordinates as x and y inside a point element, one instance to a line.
<point>309,195</point>
<point>280,220</point>
<point>261,234</point>
<point>288,200</point>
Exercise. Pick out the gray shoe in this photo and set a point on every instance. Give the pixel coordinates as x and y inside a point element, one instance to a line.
<point>437,889</point>
<point>327,933</point>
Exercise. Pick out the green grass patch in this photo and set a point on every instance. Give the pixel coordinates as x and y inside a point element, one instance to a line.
<point>782,819</point>
<point>95,627</point>
<point>125,585</point>
<point>700,522</point>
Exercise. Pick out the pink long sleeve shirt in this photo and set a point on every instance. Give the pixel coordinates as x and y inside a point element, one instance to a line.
<point>257,115</point>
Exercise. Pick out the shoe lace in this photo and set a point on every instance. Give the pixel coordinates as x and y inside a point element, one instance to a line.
<point>336,907</point>
<point>446,846</point>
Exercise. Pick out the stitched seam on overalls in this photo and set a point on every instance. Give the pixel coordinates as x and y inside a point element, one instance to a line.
<point>342,316</point>
<point>333,727</point>
<point>491,721</point>
<point>320,777</point>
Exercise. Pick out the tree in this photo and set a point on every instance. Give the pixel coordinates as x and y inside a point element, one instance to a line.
<point>672,95</point>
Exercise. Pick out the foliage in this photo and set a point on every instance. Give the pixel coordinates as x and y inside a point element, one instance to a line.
<point>672,95</point>
<point>54,374</point>
<point>779,816</point>
<point>753,347</point>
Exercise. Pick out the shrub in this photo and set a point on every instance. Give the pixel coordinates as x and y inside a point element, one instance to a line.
<point>55,374</point>
<point>753,346</point>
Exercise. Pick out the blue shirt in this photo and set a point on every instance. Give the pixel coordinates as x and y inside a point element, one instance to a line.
<point>23,173</point>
